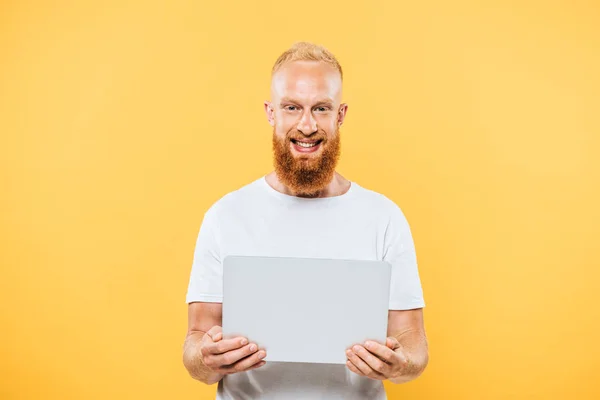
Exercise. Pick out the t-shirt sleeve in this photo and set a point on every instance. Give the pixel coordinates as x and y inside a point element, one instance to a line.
<point>206,278</point>
<point>406,292</point>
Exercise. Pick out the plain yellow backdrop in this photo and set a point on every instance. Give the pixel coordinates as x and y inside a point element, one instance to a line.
<point>122,122</point>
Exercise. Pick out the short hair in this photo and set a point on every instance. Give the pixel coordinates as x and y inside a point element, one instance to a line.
<point>305,51</point>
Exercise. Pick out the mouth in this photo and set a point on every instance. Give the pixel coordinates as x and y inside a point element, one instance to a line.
<point>306,146</point>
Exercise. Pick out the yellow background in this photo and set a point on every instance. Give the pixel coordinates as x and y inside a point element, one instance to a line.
<point>121,122</point>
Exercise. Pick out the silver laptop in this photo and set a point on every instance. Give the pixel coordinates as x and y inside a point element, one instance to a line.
<point>305,309</point>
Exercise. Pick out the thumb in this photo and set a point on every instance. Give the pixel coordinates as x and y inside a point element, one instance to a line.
<point>215,333</point>
<point>392,343</point>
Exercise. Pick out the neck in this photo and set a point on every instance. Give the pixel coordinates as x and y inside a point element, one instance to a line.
<point>336,187</point>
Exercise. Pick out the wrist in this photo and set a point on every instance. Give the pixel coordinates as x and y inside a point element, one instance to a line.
<point>209,375</point>
<point>413,368</point>
<point>194,361</point>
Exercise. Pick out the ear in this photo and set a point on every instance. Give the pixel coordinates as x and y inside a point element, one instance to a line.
<point>342,114</point>
<point>270,113</point>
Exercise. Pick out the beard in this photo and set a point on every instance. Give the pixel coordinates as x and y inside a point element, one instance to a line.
<point>306,175</point>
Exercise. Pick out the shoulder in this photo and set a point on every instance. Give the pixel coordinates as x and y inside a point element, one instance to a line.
<point>237,198</point>
<point>379,202</point>
<point>392,219</point>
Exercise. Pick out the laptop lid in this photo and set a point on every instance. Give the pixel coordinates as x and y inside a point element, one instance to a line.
<point>305,309</point>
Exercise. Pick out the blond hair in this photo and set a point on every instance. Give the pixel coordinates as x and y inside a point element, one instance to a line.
<point>305,51</point>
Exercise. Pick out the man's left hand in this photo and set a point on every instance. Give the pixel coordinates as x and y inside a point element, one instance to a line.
<point>378,361</point>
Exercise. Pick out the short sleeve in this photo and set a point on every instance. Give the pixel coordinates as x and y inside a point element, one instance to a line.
<point>406,292</point>
<point>206,278</point>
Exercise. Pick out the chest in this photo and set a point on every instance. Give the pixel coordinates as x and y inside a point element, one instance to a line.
<point>339,234</point>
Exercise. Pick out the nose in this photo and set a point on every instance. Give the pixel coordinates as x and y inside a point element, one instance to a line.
<point>307,124</point>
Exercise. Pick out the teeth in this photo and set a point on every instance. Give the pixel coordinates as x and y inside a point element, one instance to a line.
<point>301,144</point>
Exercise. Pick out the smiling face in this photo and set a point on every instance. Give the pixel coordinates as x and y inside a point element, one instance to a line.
<point>306,113</point>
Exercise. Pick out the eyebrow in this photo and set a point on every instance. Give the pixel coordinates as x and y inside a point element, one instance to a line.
<point>325,101</point>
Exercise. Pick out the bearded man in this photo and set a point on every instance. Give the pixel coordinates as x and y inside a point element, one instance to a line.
<point>304,208</point>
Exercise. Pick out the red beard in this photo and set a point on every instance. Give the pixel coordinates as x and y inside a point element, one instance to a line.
<point>306,176</point>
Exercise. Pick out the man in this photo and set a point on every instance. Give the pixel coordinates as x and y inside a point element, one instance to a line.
<point>304,208</point>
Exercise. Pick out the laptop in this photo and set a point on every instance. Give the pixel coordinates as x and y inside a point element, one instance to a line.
<point>305,309</point>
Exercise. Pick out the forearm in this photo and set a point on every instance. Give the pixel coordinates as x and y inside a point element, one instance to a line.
<point>193,362</point>
<point>415,347</point>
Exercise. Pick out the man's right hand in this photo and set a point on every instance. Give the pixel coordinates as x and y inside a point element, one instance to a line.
<point>229,356</point>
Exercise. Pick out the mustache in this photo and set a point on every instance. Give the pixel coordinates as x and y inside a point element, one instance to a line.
<point>297,135</point>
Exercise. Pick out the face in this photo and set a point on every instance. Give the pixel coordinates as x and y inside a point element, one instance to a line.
<point>306,113</point>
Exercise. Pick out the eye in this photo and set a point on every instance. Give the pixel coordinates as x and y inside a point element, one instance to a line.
<point>291,108</point>
<point>322,109</point>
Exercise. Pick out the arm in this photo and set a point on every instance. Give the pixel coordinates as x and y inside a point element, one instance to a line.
<point>201,318</point>
<point>402,358</point>
<point>207,356</point>
<point>408,329</point>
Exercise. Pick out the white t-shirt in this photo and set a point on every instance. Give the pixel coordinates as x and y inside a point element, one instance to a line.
<point>257,220</point>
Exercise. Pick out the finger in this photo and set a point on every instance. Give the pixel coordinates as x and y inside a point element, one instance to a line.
<point>353,368</point>
<point>245,364</point>
<point>233,356</point>
<point>385,353</point>
<point>373,362</point>
<point>225,345</point>
<point>257,365</point>
<point>363,369</point>
<point>360,364</point>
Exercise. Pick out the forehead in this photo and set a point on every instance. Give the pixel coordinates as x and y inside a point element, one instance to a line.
<point>307,80</point>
